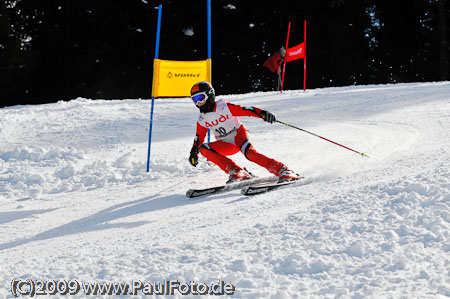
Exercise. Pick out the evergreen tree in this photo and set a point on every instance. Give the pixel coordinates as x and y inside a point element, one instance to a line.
<point>62,49</point>
<point>16,59</point>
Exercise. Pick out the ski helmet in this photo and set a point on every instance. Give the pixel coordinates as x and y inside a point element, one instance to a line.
<point>203,92</point>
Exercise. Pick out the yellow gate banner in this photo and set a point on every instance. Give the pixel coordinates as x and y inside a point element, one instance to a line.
<point>175,78</point>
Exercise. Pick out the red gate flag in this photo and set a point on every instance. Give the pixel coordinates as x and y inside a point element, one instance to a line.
<point>294,53</point>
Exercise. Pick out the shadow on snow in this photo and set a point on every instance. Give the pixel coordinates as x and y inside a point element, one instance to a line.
<point>101,220</point>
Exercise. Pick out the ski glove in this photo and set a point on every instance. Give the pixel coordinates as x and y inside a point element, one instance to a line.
<point>267,116</point>
<point>193,158</point>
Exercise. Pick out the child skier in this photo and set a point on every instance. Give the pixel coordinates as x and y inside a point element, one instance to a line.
<point>222,118</point>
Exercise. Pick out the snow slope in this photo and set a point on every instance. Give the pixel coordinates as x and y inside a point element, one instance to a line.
<point>77,204</point>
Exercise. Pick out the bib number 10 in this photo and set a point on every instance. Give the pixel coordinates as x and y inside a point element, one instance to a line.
<point>221,131</point>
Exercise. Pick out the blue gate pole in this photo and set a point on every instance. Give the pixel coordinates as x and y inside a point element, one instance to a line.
<point>208,13</point>
<point>209,28</point>
<point>158,30</point>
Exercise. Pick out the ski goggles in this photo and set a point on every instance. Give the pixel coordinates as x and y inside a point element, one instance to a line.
<point>199,98</point>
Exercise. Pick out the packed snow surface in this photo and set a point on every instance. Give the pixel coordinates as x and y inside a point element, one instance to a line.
<point>76,202</point>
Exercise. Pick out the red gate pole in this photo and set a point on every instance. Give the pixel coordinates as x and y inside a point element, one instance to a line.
<point>304,63</point>
<point>284,65</point>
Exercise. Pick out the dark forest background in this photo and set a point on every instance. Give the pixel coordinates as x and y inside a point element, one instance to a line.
<point>52,50</point>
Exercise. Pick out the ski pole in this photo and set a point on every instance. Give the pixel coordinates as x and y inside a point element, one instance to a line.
<point>283,123</point>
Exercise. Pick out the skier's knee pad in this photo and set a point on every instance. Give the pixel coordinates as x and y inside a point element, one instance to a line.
<point>246,147</point>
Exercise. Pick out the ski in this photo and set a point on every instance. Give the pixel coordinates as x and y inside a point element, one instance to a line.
<point>263,188</point>
<point>191,193</point>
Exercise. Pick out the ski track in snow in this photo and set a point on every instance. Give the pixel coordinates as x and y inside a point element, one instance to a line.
<point>77,203</point>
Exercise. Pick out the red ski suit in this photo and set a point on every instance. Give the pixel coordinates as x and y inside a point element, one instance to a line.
<point>232,137</point>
